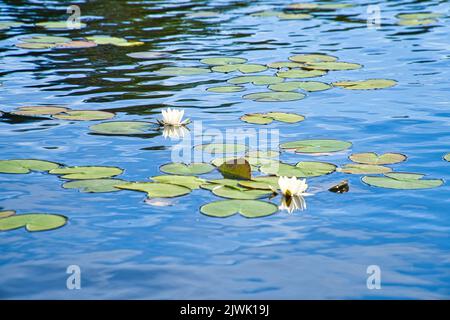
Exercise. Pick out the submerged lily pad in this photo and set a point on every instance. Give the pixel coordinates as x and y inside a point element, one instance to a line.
<point>182,71</point>
<point>84,115</point>
<point>373,158</point>
<point>333,66</point>
<point>46,39</point>
<point>26,165</point>
<point>302,169</point>
<point>86,172</point>
<point>310,86</point>
<point>190,182</point>
<point>240,193</point>
<point>246,208</point>
<point>187,169</point>
<point>244,68</point>
<point>274,96</point>
<point>123,127</point>
<point>57,25</point>
<point>300,73</point>
<point>33,222</point>
<point>39,110</point>
<point>221,148</point>
<point>221,61</point>
<point>225,89</point>
<point>312,58</point>
<point>370,84</point>
<point>263,183</point>
<point>358,168</point>
<point>95,185</point>
<point>256,80</point>
<point>156,189</point>
<point>317,145</point>
<point>148,55</point>
<point>285,64</point>
<point>402,180</point>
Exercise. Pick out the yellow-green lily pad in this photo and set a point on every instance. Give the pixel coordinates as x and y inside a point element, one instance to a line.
<point>310,86</point>
<point>373,158</point>
<point>274,96</point>
<point>317,145</point>
<point>402,180</point>
<point>359,168</point>
<point>312,58</point>
<point>4,25</point>
<point>262,183</point>
<point>46,39</point>
<point>211,184</point>
<point>256,80</point>
<point>300,73</point>
<point>419,15</point>
<point>294,16</point>
<point>95,185</point>
<point>156,189</point>
<point>191,169</point>
<point>182,71</point>
<point>370,84</point>
<point>78,44</point>
<point>7,213</point>
<point>123,127</point>
<point>84,115</point>
<point>447,157</point>
<point>285,64</point>
<point>226,89</point>
<point>190,182</point>
<point>221,61</point>
<point>19,166</point>
<point>39,110</point>
<point>256,118</point>
<point>240,193</point>
<point>302,169</point>
<point>37,46</point>
<point>332,66</point>
<point>244,68</point>
<point>86,172</point>
<point>33,222</point>
<point>246,208</point>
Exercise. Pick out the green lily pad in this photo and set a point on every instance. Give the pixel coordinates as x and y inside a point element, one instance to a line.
<point>76,44</point>
<point>86,172</point>
<point>447,157</point>
<point>39,110</point>
<point>286,117</point>
<point>300,73</point>
<point>294,16</point>
<point>123,127</point>
<point>46,39</point>
<point>7,213</point>
<point>417,22</point>
<point>318,6</point>
<point>246,208</point>
<point>312,58</point>
<point>221,61</point>
<point>244,68</point>
<point>26,165</point>
<point>302,169</point>
<point>256,80</point>
<point>317,145</point>
<point>148,55</point>
<point>401,180</point>
<point>240,193</point>
<point>358,168</point>
<point>95,185</point>
<point>33,222</point>
<point>419,15</point>
<point>262,183</point>
<point>370,84</point>
<point>263,154</point>
<point>332,66</point>
<point>4,25</point>
<point>274,96</point>
<point>284,64</point>
<point>182,71</point>
<point>265,14</point>
<point>236,169</point>
<point>310,86</point>
<point>156,189</point>
<point>256,118</point>
<point>29,45</point>
<point>57,25</point>
<point>212,184</point>
<point>187,169</point>
<point>190,182</point>
<point>225,89</point>
<point>103,40</point>
<point>203,14</point>
<point>221,148</point>
<point>373,158</point>
<point>84,115</point>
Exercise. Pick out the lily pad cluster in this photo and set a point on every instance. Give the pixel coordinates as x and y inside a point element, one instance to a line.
<point>63,113</point>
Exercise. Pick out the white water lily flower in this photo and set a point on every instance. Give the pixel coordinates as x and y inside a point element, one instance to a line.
<point>173,117</point>
<point>174,132</point>
<point>292,203</point>
<point>293,187</point>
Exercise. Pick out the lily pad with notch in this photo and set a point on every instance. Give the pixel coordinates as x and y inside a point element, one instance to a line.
<point>375,159</point>
<point>191,182</point>
<point>95,185</point>
<point>370,84</point>
<point>225,89</point>
<point>256,80</point>
<point>317,145</point>
<point>221,61</point>
<point>84,115</point>
<point>274,96</point>
<point>86,172</point>
<point>191,169</point>
<point>244,68</point>
<point>157,189</point>
<point>124,128</point>
<point>403,181</point>
<point>301,73</point>
<point>182,71</point>
<point>302,169</point>
<point>33,222</point>
<point>359,168</point>
<point>246,208</point>
<point>21,166</point>
<point>311,86</point>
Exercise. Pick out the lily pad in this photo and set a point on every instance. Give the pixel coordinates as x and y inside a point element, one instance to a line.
<point>7,213</point>
<point>190,182</point>
<point>256,80</point>
<point>95,185</point>
<point>302,169</point>
<point>370,84</point>
<point>317,145</point>
<point>417,22</point>
<point>358,168</point>
<point>236,169</point>
<point>26,165</point>
<point>246,208</point>
<point>263,183</point>
<point>77,45</point>
<point>84,115</point>
<point>285,64</point>
<point>274,96</point>
<point>46,39</point>
<point>123,127</point>
<point>256,118</point>
<point>419,15</point>
<point>294,16</point>
<point>39,110</point>
<point>182,71</point>
<point>447,157</point>
<point>57,25</point>
<point>212,184</point>
<point>244,68</point>
<point>300,73</point>
<point>33,222</point>
<point>225,89</point>
<point>156,189</point>
<point>187,169</point>
<point>310,86</point>
<point>401,180</point>
<point>221,148</point>
<point>29,45</point>
<point>312,58</point>
<point>4,25</point>
<point>203,14</point>
<point>373,158</point>
<point>265,14</point>
<point>240,193</point>
<point>286,117</point>
<point>221,61</point>
<point>115,41</point>
<point>333,66</point>
<point>87,172</point>
<point>148,55</point>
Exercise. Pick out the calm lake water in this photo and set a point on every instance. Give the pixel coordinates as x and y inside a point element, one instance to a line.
<point>128,249</point>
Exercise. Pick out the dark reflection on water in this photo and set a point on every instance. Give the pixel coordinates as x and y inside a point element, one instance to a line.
<point>128,248</point>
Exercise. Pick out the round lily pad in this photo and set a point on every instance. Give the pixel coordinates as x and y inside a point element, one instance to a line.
<point>182,71</point>
<point>76,45</point>
<point>57,25</point>
<point>300,73</point>
<point>302,169</point>
<point>256,118</point>
<point>26,165</point>
<point>256,80</point>
<point>33,222</point>
<point>285,64</point>
<point>333,66</point>
<point>95,185</point>
<point>373,158</point>
<point>310,86</point>
<point>148,55</point>
<point>225,89</point>
<point>317,145</point>
<point>447,157</point>
<point>123,127</point>
<point>240,193</point>
<point>39,110</point>
<point>187,169</point>
<point>312,58</point>
<point>221,148</point>
<point>402,180</point>
<point>30,45</point>
<point>274,96</point>
<point>244,68</point>
<point>84,115</point>
<point>246,208</point>
<point>87,172</point>
<point>156,189</point>
<point>190,182</point>
<point>370,84</point>
<point>358,168</point>
<point>221,61</point>
<point>46,39</point>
